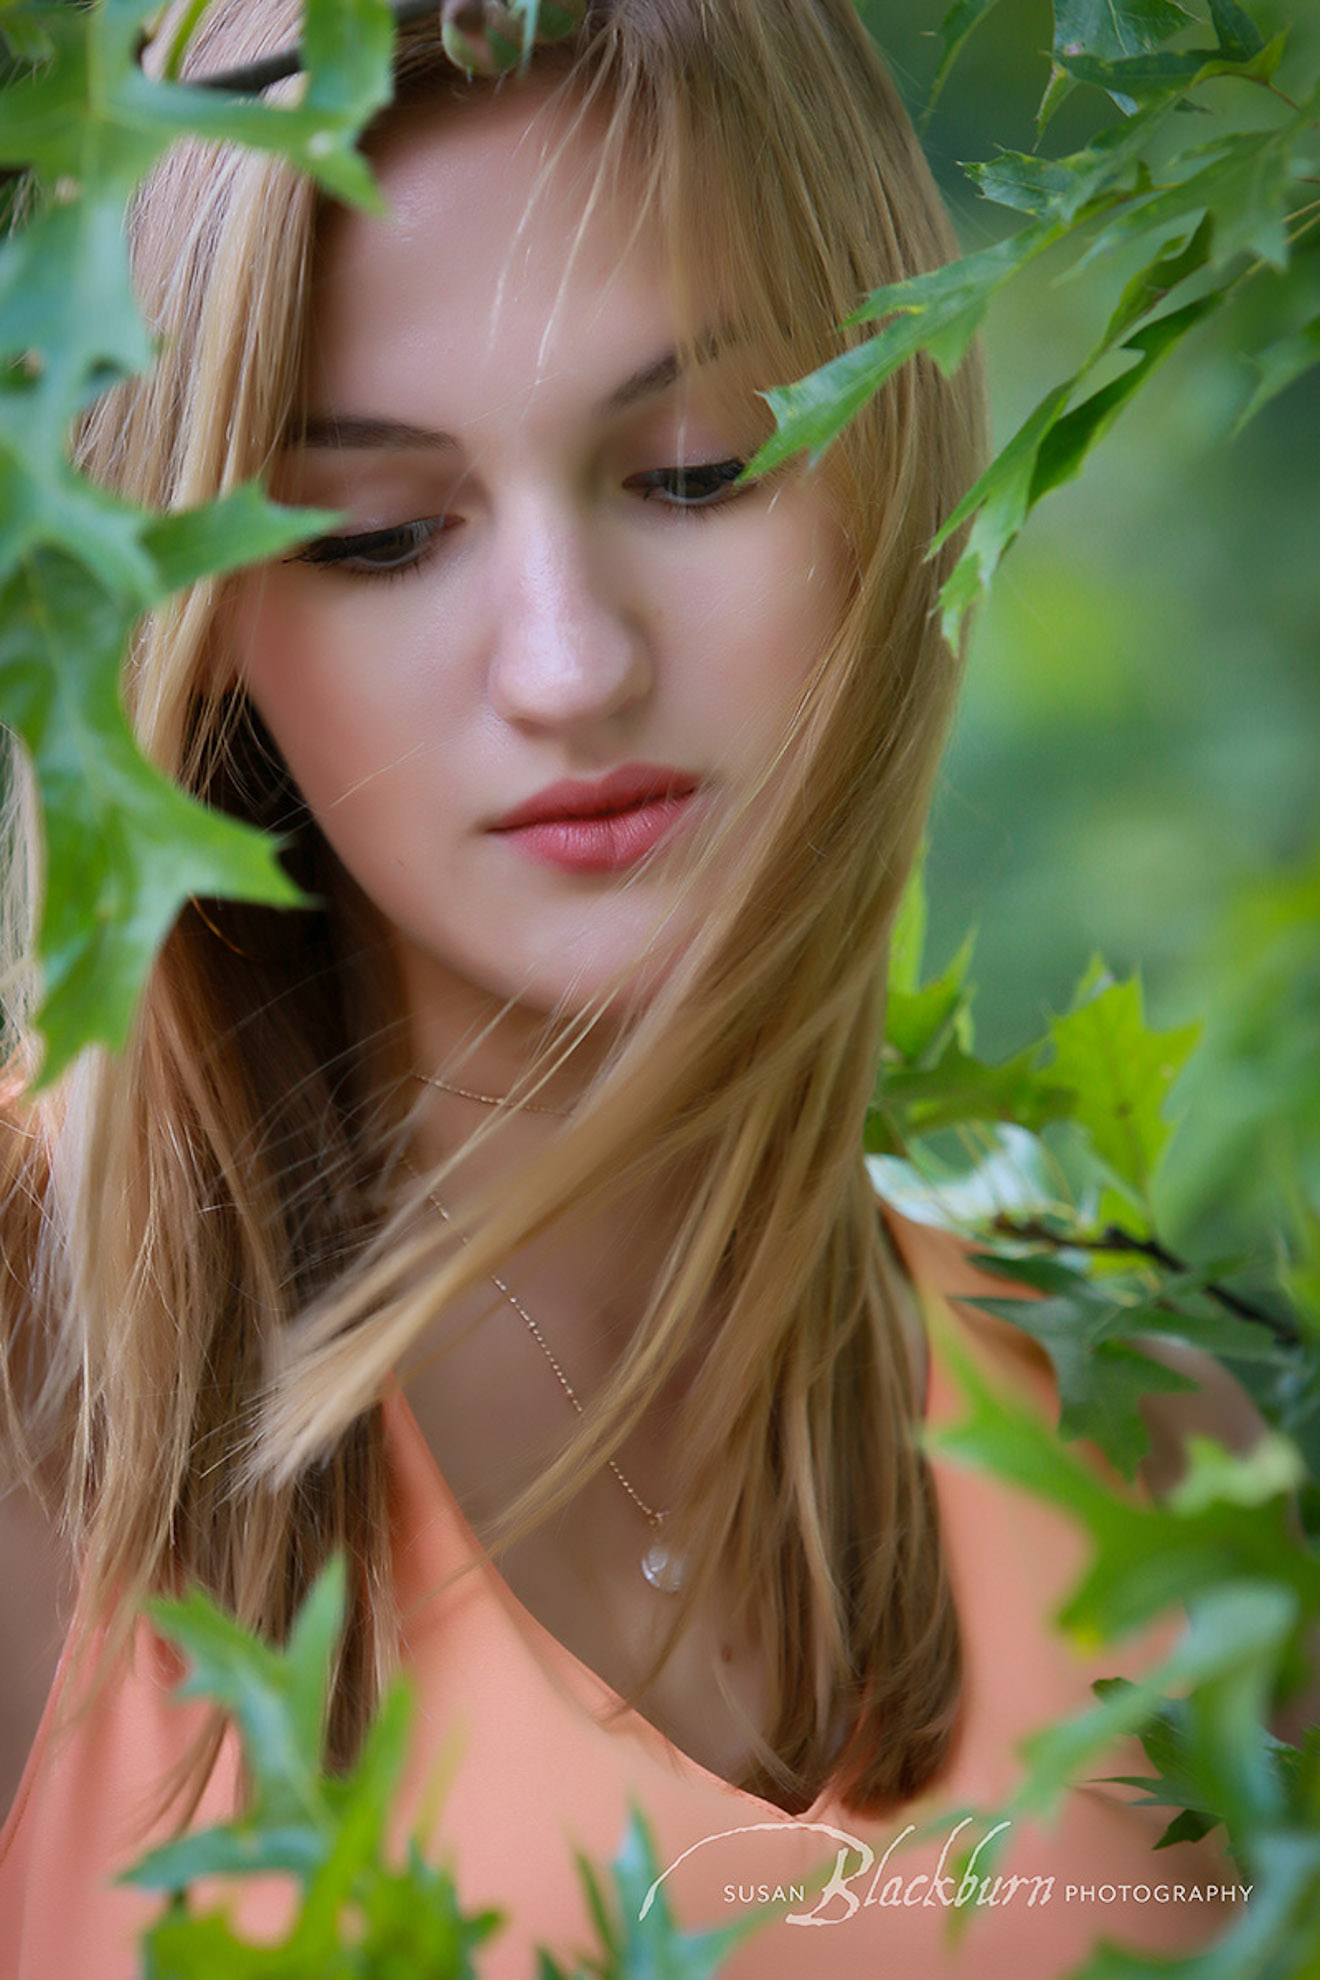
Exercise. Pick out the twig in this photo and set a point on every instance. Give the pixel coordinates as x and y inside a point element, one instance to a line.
<point>1115,1239</point>
<point>1297,109</point>
<point>253,77</point>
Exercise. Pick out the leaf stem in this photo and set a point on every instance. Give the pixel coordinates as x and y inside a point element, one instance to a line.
<point>183,34</point>
<point>1283,96</point>
<point>1310,218</point>
<point>1114,1239</point>
<point>252,77</point>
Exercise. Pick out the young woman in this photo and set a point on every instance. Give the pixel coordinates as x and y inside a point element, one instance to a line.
<point>511,1194</point>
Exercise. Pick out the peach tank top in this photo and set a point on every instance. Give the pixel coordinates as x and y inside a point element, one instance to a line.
<point>548,1765</point>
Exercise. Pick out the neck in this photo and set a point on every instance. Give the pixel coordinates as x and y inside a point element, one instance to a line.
<point>587,1286</point>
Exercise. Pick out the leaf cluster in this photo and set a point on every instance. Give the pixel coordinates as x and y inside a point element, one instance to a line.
<point>1098,1064</point>
<point>124,848</point>
<point>1187,220</point>
<point>1223,1545</point>
<point>359,1914</point>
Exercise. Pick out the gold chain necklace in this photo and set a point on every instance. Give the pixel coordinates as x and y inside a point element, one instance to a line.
<point>664,1570</point>
<point>489,1099</point>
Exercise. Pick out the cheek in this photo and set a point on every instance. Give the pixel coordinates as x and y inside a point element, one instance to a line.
<point>757,616</point>
<point>342,702</point>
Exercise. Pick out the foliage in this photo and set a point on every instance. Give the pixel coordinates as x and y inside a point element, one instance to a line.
<point>123,848</point>
<point>1222,1545</point>
<point>360,1915</point>
<point>1186,220</point>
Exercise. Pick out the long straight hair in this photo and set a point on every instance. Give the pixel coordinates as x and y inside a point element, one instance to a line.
<point>219,1265</point>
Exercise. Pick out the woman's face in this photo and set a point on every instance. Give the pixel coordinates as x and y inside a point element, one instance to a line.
<point>549,638</point>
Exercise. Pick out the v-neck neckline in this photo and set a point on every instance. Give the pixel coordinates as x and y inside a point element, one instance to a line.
<point>584,1681</point>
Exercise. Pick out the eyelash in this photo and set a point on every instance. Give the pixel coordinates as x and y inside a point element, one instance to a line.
<point>672,481</point>
<point>413,540</point>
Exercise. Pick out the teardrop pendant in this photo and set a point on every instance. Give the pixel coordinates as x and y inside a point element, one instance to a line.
<point>665,1571</point>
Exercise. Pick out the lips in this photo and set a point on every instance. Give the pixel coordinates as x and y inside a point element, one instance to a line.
<point>604,825</point>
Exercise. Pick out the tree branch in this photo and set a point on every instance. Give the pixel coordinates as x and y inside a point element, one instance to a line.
<point>479,35</point>
<point>1114,1239</point>
<point>253,77</point>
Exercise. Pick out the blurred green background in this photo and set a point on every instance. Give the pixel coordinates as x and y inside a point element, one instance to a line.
<point>1135,766</point>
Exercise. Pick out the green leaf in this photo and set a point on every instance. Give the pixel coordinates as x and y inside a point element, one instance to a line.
<point>812,411</point>
<point>1070,437</point>
<point>47,270</point>
<point>914,1101</point>
<point>346,47</point>
<point>1234,1640</point>
<point>1274,1933</point>
<point>1112,28</point>
<point>1104,28</point>
<point>940,312</point>
<point>917,1022</point>
<point>1239,37</point>
<point>1175,264</point>
<point>1088,1332</point>
<point>1168,1741</point>
<point>1244,182</point>
<point>180,1947</point>
<point>952,298</point>
<point>1188,1826</point>
<point>1054,188</point>
<point>241,528</point>
<point>1102,1395</point>
<point>1160,75</point>
<point>24,33</point>
<point>907,941</point>
<point>1121,1073</point>
<point>360,1915</point>
<point>234,1850</point>
<point>1105,1308</point>
<point>550,1969</point>
<point>958,23</point>
<point>1272,1468</point>
<point>124,847</point>
<point>1144,1559</point>
<point>636,1927</point>
<point>1279,364</point>
<point>1000,501</point>
<point>1075,186</point>
<point>277,1698</point>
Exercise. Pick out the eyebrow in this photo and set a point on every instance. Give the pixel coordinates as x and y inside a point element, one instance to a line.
<point>363,432</point>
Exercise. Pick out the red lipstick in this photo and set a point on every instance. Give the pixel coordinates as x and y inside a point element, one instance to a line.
<point>601,825</point>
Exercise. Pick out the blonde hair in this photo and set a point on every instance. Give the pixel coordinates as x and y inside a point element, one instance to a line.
<point>212,1244</point>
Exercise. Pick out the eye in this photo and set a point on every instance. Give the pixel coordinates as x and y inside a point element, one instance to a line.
<point>695,485</point>
<point>376,552</point>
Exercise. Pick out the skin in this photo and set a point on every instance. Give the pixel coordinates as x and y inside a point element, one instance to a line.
<point>570,614</point>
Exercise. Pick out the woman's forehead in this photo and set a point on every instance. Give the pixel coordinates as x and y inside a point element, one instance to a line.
<point>505,256</point>
<point>492,163</point>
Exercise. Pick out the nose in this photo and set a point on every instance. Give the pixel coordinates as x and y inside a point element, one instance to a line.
<point>570,648</point>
